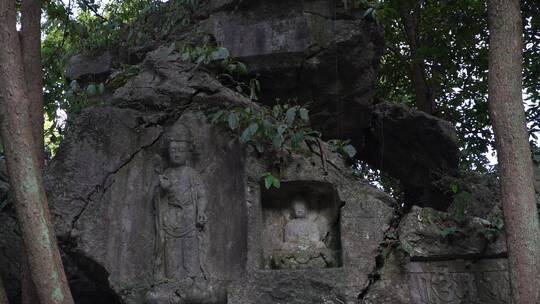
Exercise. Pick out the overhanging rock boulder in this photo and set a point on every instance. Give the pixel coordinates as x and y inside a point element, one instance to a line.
<point>414,147</point>
<point>311,51</point>
<point>91,68</point>
<point>317,52</point>
<point>321,53</point>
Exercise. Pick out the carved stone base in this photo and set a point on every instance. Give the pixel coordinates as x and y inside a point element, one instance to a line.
<point>298,259</point>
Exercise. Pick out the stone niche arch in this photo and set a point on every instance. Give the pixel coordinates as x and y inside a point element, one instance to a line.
<point>311,239</point>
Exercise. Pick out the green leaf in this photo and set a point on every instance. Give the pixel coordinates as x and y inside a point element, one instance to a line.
<point>249,132</point>
<point>391,235</point>
<point>254,89</point>
<point>241,68</point>
<point>350,150</point>
<point>449,230</point>
<point>304,114</point>
<point>386,252</point>
<point>267,125</point>
<point>276,183</point>
<point>268,181</point>
<point>281,129</point>
<point>233,120</point>
<point>101,88</point>
<point>91,90</point>
<point>276,111</point>
<point>186,56</point>
<point>455,188</point>
<point>405,246</point>
<point>171,48</point>
<point>368,12</point>
<point>220,53</point>
<point>216,116</point>
<point>259,146</point>
<point>74,85</point>
<point>231,67</point>
<point>290,115</point>
<point>296,139</point>
<point>277,141</point>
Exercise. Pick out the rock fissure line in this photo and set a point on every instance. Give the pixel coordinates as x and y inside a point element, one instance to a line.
<point>103,187</point>
<point>374,275</point>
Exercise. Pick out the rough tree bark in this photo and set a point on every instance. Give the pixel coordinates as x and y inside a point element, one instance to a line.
<point>31,57</point>
<point>24,168</point>
<point>30,38</point>
<point>516,173</point>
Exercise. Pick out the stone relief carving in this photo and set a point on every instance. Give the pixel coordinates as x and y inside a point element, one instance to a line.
<point>477,287</point>
<point>180,205</point>
<point>303,242</point>
<point>302,231</point>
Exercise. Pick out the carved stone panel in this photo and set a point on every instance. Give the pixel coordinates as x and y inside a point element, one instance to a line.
<point>301,226</point>
<point>454,282</point>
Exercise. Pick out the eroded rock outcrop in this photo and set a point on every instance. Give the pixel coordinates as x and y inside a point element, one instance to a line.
<point>103,189</point>
<point>137,226</point>
<point>447,264</point>
<point>312,51</point>
<point>315,52</point>
<point>418,149</point>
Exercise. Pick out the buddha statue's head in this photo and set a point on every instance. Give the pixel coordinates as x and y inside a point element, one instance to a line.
<point>179,146</point>
<point>299,207</point>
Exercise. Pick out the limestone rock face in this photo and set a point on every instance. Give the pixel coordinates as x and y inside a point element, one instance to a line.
<point>435,235</point>
<point>102,188</point>
<point>318,52</point>
<point>461,266</point>
<point>165,82</point>
<point>312,51</point>
<point>453,281</point>
<point>315,52</point>
<point>152,204</point>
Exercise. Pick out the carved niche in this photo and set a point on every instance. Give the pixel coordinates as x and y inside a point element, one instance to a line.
<point>301,226</point>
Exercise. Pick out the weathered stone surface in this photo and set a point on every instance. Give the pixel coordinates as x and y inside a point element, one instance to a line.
<point>461,267</point>
<point>254,245</point>
<point>363,219</point>
<point>100,143</point>
<point>104,206</point>
<point>166,82</point>
<point>90,67</point>
<point>414,147</point>
<point>479,195</point>
<point>426,230</point>
<point>313,51</point>
<point>102,187</point>
<point>437,282</point>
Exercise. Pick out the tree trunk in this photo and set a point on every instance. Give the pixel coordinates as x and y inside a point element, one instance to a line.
<point>28,289</point>
<point>30,37</point>
<point>516,173</point>
<point>3,294</point>
<point>24,169</point>
<point>409,12</point>
<point>31,57</point>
